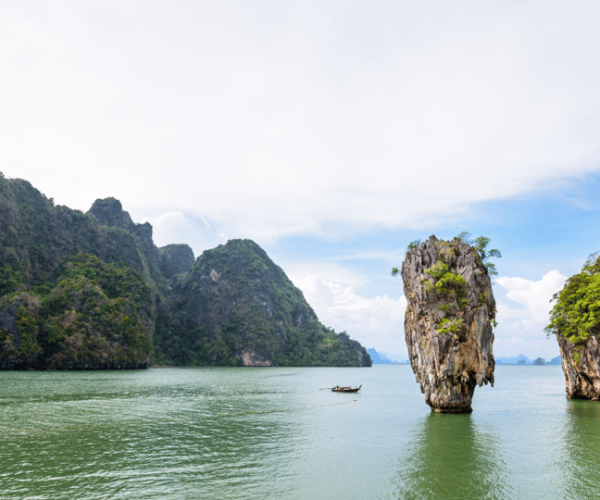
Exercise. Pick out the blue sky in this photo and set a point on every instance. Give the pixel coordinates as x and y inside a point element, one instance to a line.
<point>331,133</point>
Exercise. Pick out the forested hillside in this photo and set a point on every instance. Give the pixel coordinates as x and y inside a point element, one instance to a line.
<point>236,306</point>
<point>92,290</point>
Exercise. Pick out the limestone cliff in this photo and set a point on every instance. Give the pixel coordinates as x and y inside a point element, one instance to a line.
<point>175,259</point>
<point>448,322</point>
<point>575,321</point>
<point>90,291</point>
<point>581,366</point>
<point>235,306</point>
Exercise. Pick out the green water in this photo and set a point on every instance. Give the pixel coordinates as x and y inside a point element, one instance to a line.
<point>523,440</point>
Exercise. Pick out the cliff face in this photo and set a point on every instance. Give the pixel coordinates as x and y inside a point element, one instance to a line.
<point>581,366</point>
<point>575,322</point>
<point>447,323</point>
<point>68,321</point>
<point>36,235</point>
<point>235,306</point>
<point>110,214</point>
<point>175,259</point>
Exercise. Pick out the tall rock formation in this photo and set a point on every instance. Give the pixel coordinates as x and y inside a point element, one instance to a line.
<point>575,321</point>
<point>448,322</point>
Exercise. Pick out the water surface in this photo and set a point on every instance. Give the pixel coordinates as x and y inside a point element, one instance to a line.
<point>162,433</point>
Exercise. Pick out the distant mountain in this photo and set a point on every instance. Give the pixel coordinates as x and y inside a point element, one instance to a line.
<point>515,360</point>
<point>521,359</point>
<point>378,358</point>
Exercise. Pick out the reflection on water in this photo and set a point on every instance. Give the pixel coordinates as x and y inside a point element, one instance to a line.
<point>580,462</point>
<point>451,458</point>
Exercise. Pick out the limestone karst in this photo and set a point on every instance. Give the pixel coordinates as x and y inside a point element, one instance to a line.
<point>91,290</point>
<point>575,321</point>
<point>448,322</point>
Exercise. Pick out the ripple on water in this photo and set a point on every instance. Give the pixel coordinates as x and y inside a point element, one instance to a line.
<point>524,439</point>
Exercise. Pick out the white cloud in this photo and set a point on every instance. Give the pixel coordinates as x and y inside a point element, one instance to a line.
<point>298,117</point>
<point>172,227</point>
<point>522,329</point>
<point>375,322</point>
<point>175,227</point>
<point>534,295</point>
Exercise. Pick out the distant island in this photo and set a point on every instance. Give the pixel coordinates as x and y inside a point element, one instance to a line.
<point>379,358</point>
<point>92,291</point>
<point>521,359</point>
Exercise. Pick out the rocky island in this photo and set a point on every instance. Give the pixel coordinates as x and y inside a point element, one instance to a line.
<point>235,306</point>
<point>92,291</point>
<point>575,321</point>
<point>448,321</point>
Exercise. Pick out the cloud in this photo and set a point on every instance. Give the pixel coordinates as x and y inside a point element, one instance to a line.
<point>521,329</point>
<point>375,322</point>
<point>299,118</point>
<point>172,227</point>
<point>534,295</point>
<point>176,227</point>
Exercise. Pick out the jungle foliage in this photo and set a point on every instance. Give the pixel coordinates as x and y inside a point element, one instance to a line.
<point>235,297</point>
<point>81,290</point>
<point>88,313</point>
<point>576,313</point>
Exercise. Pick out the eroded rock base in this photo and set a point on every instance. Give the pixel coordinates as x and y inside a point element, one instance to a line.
<point>581,366</point>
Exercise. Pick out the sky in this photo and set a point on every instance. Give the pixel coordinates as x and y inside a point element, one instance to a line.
<point>331,133</point>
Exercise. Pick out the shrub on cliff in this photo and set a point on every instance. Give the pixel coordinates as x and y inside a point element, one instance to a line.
<point>576,314</point>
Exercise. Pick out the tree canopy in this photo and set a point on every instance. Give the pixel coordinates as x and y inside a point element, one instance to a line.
<point>576,314</point>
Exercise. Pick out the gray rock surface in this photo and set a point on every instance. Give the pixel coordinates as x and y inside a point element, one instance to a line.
<point>448,322</point>
<point>581,366</point>
<point>8,318</point>
<point>109,212</point>
<point>175,259</point>
<point>146,258</point>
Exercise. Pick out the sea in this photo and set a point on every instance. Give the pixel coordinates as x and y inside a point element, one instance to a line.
<point>279,433</point>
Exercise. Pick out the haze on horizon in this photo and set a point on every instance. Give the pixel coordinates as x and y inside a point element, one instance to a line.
<point>332,134</point>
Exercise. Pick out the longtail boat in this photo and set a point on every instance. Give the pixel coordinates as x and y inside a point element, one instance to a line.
<point>337,388</point>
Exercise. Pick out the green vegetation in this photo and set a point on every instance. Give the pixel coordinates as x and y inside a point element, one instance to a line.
<point>480,244</point>
<point>448,285</point>
<point>576,314</point>
<point>235,298</point>
<point>80,290</point>
<point>93,314</point>
<point>447,326</point>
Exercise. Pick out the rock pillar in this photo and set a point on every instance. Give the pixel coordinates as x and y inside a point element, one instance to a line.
<point>448,322</point>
